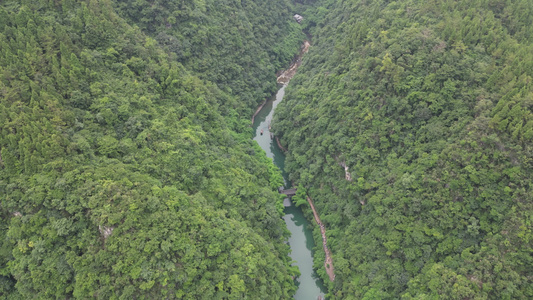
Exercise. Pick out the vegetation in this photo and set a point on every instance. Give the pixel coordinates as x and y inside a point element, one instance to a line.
<point>123,174</point>
<point>429,106</point>
<point>127,168</point>
<point>239,45</point>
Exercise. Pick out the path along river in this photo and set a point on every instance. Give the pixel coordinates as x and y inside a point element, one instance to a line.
<point>301,240</point>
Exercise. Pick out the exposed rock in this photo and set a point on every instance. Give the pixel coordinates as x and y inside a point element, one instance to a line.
<point>287,75</point>
<point>105,231</point>
<point>347,174</point>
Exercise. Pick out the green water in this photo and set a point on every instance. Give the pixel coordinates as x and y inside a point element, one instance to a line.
<point>301,240</point>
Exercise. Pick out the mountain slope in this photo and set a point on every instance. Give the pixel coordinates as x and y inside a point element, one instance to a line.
<point>238,45</point>
<point>119,178</point>
<point>410,125</point>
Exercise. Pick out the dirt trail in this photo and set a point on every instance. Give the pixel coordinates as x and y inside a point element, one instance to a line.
<point>328,263</point>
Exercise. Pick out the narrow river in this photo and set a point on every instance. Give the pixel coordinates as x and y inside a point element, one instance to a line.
<point>310,286</point>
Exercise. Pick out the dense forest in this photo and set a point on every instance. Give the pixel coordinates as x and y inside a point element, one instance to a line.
<point>410,125</point>
<point>239,45</point>
<point>127,169</point>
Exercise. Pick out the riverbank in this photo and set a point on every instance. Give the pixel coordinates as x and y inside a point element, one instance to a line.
<point>301,240</point>
<point>289,73</point>
<point>328,262</point>
<point>284,78</point>
<point>286,75</point>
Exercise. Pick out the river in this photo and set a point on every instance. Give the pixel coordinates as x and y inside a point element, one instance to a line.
<point>310,286</point>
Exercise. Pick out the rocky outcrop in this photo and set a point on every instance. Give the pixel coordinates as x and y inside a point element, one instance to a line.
<point>287,75</point>
<point>347,174</point>
<point>105,231</point>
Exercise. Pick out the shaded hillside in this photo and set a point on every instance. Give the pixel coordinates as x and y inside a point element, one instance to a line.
<point>410,124</point>
<point>119,177</point>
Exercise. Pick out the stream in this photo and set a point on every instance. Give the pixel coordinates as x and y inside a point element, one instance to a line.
<point>310,286</point>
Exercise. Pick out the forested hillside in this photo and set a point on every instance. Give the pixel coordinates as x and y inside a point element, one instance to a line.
<point>239,45</point>
<point>124,175</point>
<point>410,124</point>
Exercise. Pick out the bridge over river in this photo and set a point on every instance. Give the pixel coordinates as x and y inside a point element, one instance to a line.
<point>288,192</point>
